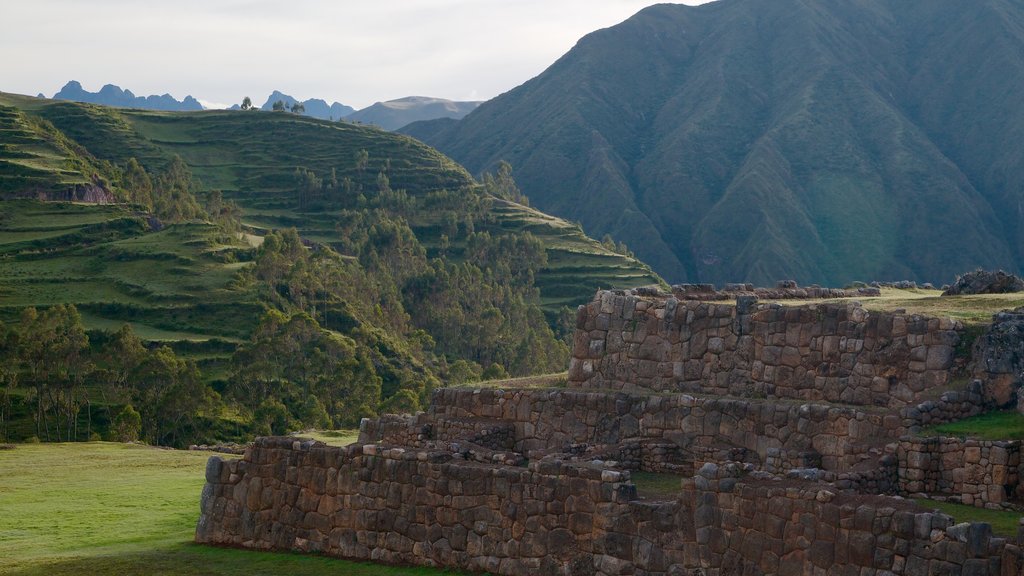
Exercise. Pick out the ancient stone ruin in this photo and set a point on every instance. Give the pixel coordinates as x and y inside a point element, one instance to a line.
<point>793,432</point>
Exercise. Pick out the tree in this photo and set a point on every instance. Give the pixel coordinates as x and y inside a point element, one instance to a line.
<point>312,371</point>
<point>279,106</point>
<point>127,426</point>
<point>502,185</point>
<point>53,346</point>
<point>298,108</point>
<point>246,103</point>
<point>136,181</point>
<point>171,397</point>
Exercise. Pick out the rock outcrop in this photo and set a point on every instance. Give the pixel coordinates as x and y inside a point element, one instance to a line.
<point>985,282</point>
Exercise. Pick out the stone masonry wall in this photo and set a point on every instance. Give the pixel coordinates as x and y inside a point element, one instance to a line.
<point>776,435</point>
<point>975,472</point>
<point>429,508</point>
<point>791,529</point>
<point>817,352</point>
<point>407,507</point>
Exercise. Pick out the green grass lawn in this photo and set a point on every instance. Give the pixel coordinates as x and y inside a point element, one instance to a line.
<point>656,485</point>
<point>1003,523</point>
<point>102,508</point>
<point>1008,425</point>
<point>331,437</point>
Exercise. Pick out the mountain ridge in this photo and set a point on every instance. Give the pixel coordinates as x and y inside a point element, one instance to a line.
<point>394,114</point>
<point>315,107</point>
<point>751,141</point>
<point>113,95</point>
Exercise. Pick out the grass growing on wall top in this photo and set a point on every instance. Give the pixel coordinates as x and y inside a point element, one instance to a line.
<point>1008,425</point>
<point>102,508</point>
<point>1004,523</point>
<point>972,309</point>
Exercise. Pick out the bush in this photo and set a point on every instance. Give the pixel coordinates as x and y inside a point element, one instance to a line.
<point>494,372</point>
<point>127,425</point>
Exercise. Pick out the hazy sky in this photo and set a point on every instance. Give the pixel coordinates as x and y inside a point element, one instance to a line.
<point>353,52</point>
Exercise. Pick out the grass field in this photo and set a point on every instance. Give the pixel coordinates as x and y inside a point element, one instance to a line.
<point>1004,523</point>
<point>1007,425</point>
<point>973,309</point>
<point>101,508</point>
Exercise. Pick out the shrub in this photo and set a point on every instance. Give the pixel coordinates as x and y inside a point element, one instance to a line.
<point>127,425</point>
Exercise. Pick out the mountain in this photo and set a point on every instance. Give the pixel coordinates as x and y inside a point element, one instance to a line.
<point>315,107</point>
<point>394,114</point>
<point>111,95</point>
<point>744,140</point>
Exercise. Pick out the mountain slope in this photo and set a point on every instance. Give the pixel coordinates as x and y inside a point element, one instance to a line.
<point>806,139</point>
<point>111,95</point>
<point>252,159</point>
<point>394,114</point>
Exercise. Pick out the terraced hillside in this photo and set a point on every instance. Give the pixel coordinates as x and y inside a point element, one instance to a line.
<point>36,158</point>
<point>252,158</point>
<point>172,284</point>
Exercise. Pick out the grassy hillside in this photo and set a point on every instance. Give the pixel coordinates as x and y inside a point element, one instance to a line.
<point>251,158</point>
<point>126,509</point>
<point>402,272</point>
<point>756,141</point>
<point>36,158</point>
<point>171,284</point>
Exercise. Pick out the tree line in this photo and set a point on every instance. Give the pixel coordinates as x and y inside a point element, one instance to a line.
<point>371,323</point>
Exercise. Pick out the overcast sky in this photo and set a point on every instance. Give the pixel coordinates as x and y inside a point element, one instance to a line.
<point>353,52</point>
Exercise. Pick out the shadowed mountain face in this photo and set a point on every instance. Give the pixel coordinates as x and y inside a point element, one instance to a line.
<point>807,139</point>
<point>111,95</point>
<point>394,114</point>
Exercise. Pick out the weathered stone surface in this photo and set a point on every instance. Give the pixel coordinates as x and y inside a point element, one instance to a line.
<point>818,352</point>
<point>524,482</point>
<point>985,282</point>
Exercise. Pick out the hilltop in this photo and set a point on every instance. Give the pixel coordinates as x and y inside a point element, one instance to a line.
<point>752,141</point>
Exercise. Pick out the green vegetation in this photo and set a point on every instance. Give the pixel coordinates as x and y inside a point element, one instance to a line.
<point>331,437</point>
<point>332,271</point>
<point>706,147</point>
<point>1007,425</point>
<point>1004,523</point>
<point>656,485</point>
<point>126,509</point>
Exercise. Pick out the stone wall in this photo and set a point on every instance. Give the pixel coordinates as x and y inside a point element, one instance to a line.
<point>998,358</point>
<point>817,352</point>
<point>407,507</point>
<point>790,529</point>
<point>431,508</point>
<point>974,472</point>
<point>668,431</point>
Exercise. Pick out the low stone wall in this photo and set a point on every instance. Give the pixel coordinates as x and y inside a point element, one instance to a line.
<point>407,507</point>
<point>818,352</point>
<point>974,472</point>
<point>431,508</point>
<point>752,527</point>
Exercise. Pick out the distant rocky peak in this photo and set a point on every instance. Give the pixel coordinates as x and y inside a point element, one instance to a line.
<point>113,95</point>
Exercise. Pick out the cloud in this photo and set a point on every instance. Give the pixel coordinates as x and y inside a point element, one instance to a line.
<point>356,53</point>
